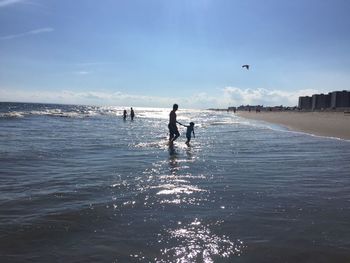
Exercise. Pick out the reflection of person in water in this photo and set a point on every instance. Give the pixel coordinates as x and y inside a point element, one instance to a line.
<point>173,160</point>
<point>132,114</point>
<point>124,115</point>
<point>173,131</point>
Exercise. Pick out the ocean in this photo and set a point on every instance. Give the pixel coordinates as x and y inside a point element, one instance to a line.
<point>80,184</point>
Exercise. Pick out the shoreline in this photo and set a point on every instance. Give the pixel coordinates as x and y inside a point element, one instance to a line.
<point>329,124</point>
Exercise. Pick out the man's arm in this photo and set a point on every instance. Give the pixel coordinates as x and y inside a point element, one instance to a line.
<point>180,123</point>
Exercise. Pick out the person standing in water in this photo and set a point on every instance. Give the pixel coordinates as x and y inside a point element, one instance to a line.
<point>132,114</point>
<point>124,115</point>
<point>189,132</point>
<point>173,131</point>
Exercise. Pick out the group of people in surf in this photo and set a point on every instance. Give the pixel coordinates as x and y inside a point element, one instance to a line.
<point>174,132</point>
<point>132,114</point>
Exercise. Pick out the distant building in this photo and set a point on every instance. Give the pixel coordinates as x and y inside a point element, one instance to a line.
<point>305,103</point>
<point>340,99</point>
<point>332,100</point>
<point>250,107</point>
<point>320,101</point>
<point>259,108</point>
<point>336,100</point>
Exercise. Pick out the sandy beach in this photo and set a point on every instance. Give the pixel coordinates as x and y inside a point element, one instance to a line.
<point>332,124</point>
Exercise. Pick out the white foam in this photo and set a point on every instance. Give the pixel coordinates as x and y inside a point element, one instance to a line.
<point>12,115</point>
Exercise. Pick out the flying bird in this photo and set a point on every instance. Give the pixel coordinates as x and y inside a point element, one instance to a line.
<point>246,66</point>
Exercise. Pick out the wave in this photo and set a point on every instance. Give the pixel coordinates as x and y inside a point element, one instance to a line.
<point>58,113</point>
<point>79,112</point>
<point>12,115</point>
<point>16,110</point>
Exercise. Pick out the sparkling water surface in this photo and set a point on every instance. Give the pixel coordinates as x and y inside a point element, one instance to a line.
<point>79,184</point>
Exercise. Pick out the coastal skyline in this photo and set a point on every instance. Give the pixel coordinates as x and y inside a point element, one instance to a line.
<point>155,53</point>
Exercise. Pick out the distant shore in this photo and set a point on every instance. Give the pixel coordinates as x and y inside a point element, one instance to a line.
<point>331,124</point>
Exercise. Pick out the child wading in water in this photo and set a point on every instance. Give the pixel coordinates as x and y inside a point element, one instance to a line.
<point>190,130</point>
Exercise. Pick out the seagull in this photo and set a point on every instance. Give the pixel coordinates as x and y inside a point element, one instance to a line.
<point>246,66</point>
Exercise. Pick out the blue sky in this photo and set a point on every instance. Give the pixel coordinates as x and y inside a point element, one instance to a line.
<point>158,52</point>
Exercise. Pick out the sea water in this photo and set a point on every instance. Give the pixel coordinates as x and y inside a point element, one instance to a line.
<point>80,184</point>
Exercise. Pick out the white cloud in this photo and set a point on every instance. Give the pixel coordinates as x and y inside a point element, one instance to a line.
<point>28,33</point>
<point>228,96</point>
<point>238,96</point>
<point>9,2</point>
<point>88,97</point>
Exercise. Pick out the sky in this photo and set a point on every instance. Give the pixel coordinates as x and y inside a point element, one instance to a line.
<point>154,53</point>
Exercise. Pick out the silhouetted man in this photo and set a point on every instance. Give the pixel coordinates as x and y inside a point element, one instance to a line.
<point>132,114</point>
<point>124,115</point>
<point>173,131</point>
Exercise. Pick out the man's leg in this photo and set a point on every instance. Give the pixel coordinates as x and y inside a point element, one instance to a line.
<point>171,134</point>
<point>177,134</point>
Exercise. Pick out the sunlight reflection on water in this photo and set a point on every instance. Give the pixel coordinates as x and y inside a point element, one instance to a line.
<point>177,185</point>
<point>195,242</point>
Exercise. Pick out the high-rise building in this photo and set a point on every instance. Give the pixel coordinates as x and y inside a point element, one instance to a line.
<point>305,103</point>
<point>321,101</point>
<point>332,100</point>
<point>340,99</point>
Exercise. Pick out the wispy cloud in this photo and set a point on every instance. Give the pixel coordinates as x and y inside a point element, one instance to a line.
<point>28,33</point>
<point>94,63</point>
<point>9,2</point>
<point>82,72</point>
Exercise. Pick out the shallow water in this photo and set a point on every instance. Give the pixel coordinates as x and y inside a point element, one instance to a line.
<point>79,184</point>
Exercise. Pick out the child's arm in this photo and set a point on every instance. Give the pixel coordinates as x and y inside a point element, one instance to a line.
<point>193,134</point>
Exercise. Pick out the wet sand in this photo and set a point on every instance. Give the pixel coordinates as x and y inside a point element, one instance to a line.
<point>332,124</point>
